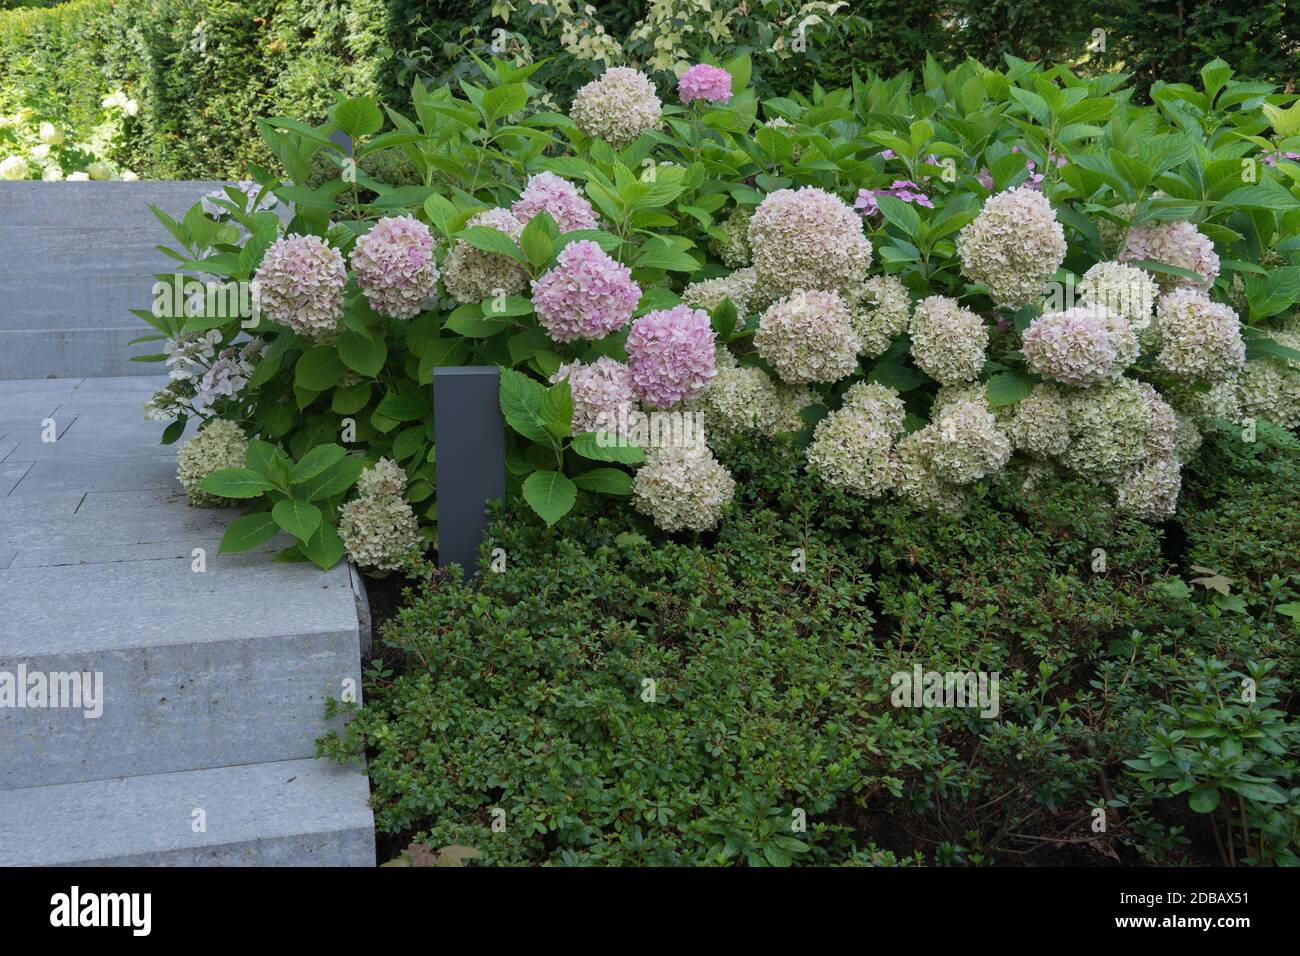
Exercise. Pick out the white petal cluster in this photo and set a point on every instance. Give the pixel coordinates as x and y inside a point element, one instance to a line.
<point>791,401</point>
<point>218,444</point>
<point>1013,246</point>
<point>740,287</point>
<point>965,443</point>
<point>617,107</point>
<point>1123,289</point>
<point>1270,387</point>
<point>807,239</point>
<point>1178,244</point>
<point>378,528</point>
<point>1150,491</point>
<point>879,401</point>
<point>1038,424</point>
<point>737,400</point>
<point>917,481</point>
<point>683,487</point>
<point>1080,346</point>
<point>1200,340</point>
<point>808,337</point>
<point>948,342</point>
<point>1115,427</point>
<point>472,274</point>
<point>880,307</point>
<point>852,447</point>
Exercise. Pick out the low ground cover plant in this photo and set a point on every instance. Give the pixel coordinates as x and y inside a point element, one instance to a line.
<point>612,695</point>
<point>1012,267</point>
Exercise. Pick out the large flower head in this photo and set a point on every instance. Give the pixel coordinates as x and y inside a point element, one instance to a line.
<point>1123,289</point>
<point>1038,424</point>
<point>1116,426</point>
<point>549,193</point>
<point>1150,490</point>
<point>964,443</point>
<point>1080,346</point>
<point>395,266</point>
<point>683,486</point>
<point>704,82</point>
<point>740,287</point>
<point>1178,244</point>
<point>880,307</point>
<point>586,295</point>
<point>218,444</point>
<point>300,284</point>
<point>384,477</point>
<point>379,531</point>
<point>602,394</point>
<point>1013,246</point>
<point>737,400</point>
<point>808,337</point>
<point>618,107</point>
<point>670,355</point>
<point>472,274</point>
<point>1270,386</point>
<point>807,239</point>
<point>948,342</point>
<point>1199,339</point>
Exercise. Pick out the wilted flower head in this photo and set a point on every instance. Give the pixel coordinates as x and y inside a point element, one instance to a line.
<point>808,337</point>
<point>670,355</point>
<point>300,284</point>
<point>1013,246</point>
<point>1199,339</point>
<point>384,477</point>
<point>704,82</point>
<point>602,393</point>
<point>218,444</point>
<point>948,342</point>
<point>586,295</point>
<point>683,486</point>
<point>1178,244</point>
<point>395,266</point>
<point>472,274</point>
<point>618,107</point>
<point>549,193</point>
<point>807,239</point>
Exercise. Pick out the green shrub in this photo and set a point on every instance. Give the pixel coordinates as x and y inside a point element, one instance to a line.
<point>525,692</point>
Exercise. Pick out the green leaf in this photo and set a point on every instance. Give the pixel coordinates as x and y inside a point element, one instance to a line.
<point>557,409</point>
<point>318,369</point>
<point>740,68</point>
<point>1204,800</point>
<point>403,409</point>
<point>235,483</point>
<point>901,378</point>
<point>362,353</point>
<point>606,481</point>
<point>589,446</point>
<point>316,461</point>
<point>550,494</point>
<point>269,461</point>
<point>298,518</point>
<point>521,405</point>
<point>1007,388</point>
<point>468,320</point>
<point>334,480</point>
<point>357,117</point>
<point>538,239</point>
<point>492,240</point>
<point>248,532</point>
<point>324,548</point>
<point>900,214</point>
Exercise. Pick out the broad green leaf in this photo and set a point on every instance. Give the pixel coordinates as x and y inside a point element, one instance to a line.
<point>605,447</point>
<point>248,532</point>
<point>324,548</point>
<point>298,518</point>
<point>235,483</point>
<point>316,461</point>
<point>362,353</point>
<point>606,481</point>
<point>1007,388</point>
<point>550,494</point>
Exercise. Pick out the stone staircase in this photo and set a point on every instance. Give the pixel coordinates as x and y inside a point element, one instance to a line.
<point>214,681</point>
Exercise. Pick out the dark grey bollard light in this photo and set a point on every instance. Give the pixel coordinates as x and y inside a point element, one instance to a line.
<point>470,438</point>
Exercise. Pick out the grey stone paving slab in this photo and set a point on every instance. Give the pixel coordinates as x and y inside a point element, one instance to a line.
<point>53,475</point>
<point>75,301</point>
<point>93,435</point>
<point>12,472</point>
<point>37,353</point>
<point>152,551</point>
<point>59,521</point>
<point>7,556</point>
<point>30,427</point>
<point>299,812</point>
<point>146,604</point>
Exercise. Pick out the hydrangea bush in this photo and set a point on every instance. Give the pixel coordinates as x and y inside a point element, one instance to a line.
<point>1067,282</point>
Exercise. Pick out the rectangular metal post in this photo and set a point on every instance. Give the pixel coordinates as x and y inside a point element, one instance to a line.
<point>470,438</point>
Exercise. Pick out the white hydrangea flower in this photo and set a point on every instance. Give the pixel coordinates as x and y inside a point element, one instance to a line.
<point>948,342</point>
<point>218,444</point>
<point>1123,289</point>
<point>618,107</point>
<point>807,239</point>
<point>1038,424</point>
<point>384,477</point>
<point>683,487</point>
<point>850,450</point>
<point>1013,246</point>
<point>379,531</point>
<point>1178,244</point>
<point>472,274</point>
<point>1270,387</point>
<point>1199,339</point>
<point>736,400</point>
<point>808,337</point>
<point>1080,346</point>
<point>1115,426</point>
<point>880,307</point>
<point>1150,491</point>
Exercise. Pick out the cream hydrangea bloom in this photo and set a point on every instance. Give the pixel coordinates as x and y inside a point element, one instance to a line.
<point>880,307</point>
<point>807,239</point>
<point>1200,340</point>
<point>618,107</point>
<point>218,444</point>
<point>808,337</point>
<point>683,487</point>
<point>1013,246</point>
<point>948,342</point>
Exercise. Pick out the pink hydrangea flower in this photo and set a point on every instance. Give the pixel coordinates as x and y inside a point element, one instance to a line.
<point>300,284</point>
<point>395,267</point>
<point>586,295</point>
<point>671,355</point>
<point>705,82</point>
<point>547,192</point>
<point>602,394</point>
<point>903,189</point>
